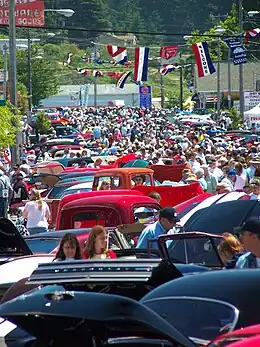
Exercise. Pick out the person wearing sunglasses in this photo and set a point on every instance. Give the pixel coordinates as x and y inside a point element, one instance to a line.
<point>249,234</point>
<point>168,219</point>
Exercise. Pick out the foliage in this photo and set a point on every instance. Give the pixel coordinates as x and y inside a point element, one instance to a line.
<point>236,117</point>
<point>22,98</point>
<point>45,80</point>
<point>10,124</point>
<point>43,124</point>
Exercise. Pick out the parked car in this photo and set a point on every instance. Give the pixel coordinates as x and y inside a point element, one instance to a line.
<point>106,209</point>
<point>49,242</point>
<point>196,308</point>
<point>16,258</point>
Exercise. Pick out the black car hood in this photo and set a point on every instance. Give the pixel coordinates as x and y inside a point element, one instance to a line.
<point>12,243</point>
<point>50,314</point>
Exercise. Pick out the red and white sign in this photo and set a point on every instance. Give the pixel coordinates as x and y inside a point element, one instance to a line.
<point>168,52</point>
<point>27,12</point>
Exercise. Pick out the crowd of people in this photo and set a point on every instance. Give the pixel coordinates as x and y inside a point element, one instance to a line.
<point>220,161</point>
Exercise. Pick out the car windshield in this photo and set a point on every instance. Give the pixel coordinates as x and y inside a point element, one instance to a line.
<point>195,251</point>
<point>73,191</point>
<point>57,192</point>
<point>196,317</point>
<point>42,245</point>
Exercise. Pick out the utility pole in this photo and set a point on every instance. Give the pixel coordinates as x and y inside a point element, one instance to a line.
<point>5,72</point>
<point>229,79</point>
<point>13,90</point>
<point>181,82</point>
<point>162,88</point>
<point>95,78</point>
<point>218,80</point>
<point>29,56</point>
<point>241,67</point>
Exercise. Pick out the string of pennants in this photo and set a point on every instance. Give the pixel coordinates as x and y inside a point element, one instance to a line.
<point>204,63</point>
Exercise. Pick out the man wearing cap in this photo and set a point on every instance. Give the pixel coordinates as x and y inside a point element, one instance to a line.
<point>249,235</point>
<point>167,221</point>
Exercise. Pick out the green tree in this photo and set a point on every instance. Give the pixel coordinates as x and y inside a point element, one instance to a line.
<point>45,80</point>
<point>90,14</point>
<point>10,124</point>
<point>42,124</point>
<point>22,98</point>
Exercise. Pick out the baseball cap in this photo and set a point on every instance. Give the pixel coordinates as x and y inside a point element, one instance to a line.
<point>232,172</point>
<point>252,225</point>
<point>169,213</point>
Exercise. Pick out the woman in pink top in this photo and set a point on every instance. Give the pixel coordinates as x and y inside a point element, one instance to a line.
<point>37,213</point>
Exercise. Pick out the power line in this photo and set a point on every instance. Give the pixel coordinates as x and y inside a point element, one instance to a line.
<point>123,31</point>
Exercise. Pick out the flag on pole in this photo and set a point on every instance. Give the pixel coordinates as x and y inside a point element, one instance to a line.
<point>165,69</point>
<point>168,52</point>
<point>204,63</point>
<point>252,34</point>
<point>119,54</point>
<point>120,83</point>
<point>69,59</point>
<point>97,73</point>
<point>83,71</point>
<point>8,155</point>
<point>141,64</point>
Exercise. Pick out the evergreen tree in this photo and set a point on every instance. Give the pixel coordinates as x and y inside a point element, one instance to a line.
<point>89,14</point>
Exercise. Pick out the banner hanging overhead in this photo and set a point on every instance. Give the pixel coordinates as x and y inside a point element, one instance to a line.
<point>238,52</point>
<point>27,13</point>
<point>203,60</point>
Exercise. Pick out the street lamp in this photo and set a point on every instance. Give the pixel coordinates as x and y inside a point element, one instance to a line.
<point>219,30</point>
<point>253,13</point>
<point>66,12</point>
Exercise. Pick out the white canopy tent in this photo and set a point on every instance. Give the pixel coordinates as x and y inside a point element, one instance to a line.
<point>253,116</point>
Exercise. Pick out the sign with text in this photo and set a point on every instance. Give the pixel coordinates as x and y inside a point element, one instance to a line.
<point>252,99</point>
<point>145,93</point>
<point>27,12</point>
<point>238,52</point>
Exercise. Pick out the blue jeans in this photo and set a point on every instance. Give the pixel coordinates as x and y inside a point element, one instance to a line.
<point>38,230</point>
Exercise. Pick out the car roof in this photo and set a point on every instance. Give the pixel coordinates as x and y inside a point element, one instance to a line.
<point>109,200</point>
<point>127,170</point>
<point>58,233</point>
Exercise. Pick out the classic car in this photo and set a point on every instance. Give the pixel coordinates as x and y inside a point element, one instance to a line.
<point>16,258</point>
<point>238,335</point>
<point>194,305</point>
<point>48,242</point>
<point>221,216</point>
<point>56,317</point>
<point>217,302</point>
<point>107,209</point>
<point>122,178</point>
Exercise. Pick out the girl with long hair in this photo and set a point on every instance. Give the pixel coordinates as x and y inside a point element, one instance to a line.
<point>69,248</point>
<point>97,244</point>
<point>230,249</point>
<point>37,213</point>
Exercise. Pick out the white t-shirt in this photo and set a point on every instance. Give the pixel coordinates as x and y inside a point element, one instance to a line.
<point>37,216</point>
<point>254,196</point>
